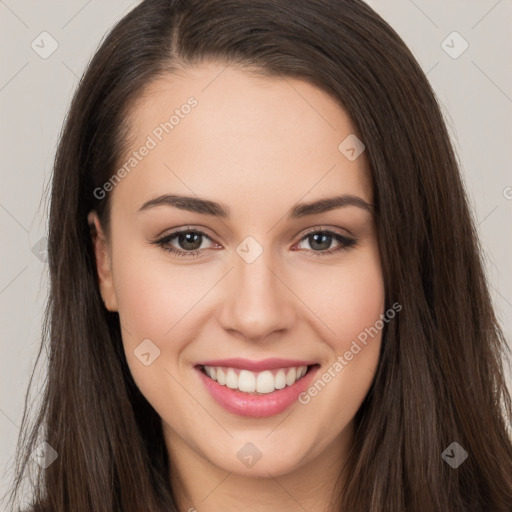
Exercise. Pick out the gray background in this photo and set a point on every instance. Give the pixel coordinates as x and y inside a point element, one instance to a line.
<point>473,87</point>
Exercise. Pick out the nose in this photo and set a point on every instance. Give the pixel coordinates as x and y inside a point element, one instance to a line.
<point>258,303</point>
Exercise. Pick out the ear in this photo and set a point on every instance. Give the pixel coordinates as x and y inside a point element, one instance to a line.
<point>103,262</point>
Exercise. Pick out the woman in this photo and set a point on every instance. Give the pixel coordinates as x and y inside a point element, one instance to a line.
<point>266,286</point>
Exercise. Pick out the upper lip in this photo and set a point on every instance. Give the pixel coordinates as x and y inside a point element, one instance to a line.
<point>256,366</point>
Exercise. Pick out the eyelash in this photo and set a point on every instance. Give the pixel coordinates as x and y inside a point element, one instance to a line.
<point>346,243</point>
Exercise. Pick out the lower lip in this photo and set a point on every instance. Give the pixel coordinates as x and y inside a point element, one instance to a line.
<point>257,406</point>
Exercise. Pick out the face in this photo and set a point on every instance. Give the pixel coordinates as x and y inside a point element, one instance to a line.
<point>256,284</point>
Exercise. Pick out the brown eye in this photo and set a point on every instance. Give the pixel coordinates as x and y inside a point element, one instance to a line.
<point>320,242</point>
<point>186,242</point>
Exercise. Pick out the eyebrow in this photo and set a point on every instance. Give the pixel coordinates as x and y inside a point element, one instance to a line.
<point>207,207</point>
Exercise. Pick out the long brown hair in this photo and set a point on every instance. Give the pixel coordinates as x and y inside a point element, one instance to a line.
<point>440,378</point>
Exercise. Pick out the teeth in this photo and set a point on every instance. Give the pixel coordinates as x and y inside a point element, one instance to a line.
<point>231,379</point>
<point>221,375</point>
<point>280,379</point>
<point>247,381</point>
<point>291,376</point>
<point>251,382</point>
<point>265,382</point>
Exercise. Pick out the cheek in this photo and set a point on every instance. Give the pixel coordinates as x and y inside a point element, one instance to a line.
<point>357,305</point>
<point>352,308</point>
<point>348,299</point>
<point>154,298</point>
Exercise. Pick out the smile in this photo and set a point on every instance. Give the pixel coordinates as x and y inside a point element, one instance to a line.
<point>258,389</point>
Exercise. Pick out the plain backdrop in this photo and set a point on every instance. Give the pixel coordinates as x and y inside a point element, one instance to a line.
<point>464,46</point>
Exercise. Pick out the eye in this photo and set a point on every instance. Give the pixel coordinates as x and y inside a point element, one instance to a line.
<point>189,241</point>
<point>321,240</point>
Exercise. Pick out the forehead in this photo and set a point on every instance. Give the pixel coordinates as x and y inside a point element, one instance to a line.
<point>218,130</point>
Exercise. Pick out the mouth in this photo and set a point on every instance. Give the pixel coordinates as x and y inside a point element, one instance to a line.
<point>256,383</point>
<point>262,392</point>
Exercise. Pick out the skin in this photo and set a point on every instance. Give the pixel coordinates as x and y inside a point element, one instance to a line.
<point>258,145</point>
